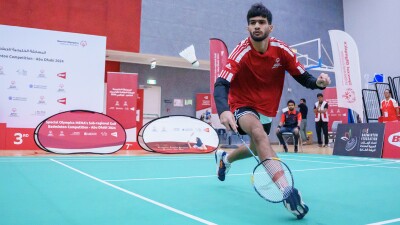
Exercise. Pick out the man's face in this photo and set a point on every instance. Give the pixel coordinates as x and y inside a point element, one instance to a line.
<point>387,94</point>
<point>259,28</point>
<point>320,99</point>
<point>290,106</point>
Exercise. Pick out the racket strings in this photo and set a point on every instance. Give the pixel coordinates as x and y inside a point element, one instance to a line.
<point>275,171</point>
<point>272,180</point>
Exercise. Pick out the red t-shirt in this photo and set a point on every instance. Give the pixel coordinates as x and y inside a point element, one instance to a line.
<point>256,80</point>
<point>389,108</point>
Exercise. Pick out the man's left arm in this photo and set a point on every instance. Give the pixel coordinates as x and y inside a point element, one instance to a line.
<point>309,81</point>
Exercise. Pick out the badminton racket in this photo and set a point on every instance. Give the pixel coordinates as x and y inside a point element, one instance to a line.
<point>271,178</point>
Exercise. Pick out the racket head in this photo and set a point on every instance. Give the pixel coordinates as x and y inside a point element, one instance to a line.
<point>272,180</point>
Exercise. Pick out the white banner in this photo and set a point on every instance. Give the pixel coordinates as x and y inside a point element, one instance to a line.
<point>347,71</point>
<point>45,72</point>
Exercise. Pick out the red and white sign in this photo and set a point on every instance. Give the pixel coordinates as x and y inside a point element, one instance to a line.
<point>122,98</point>
<point>2,136</point>
<point>20,139</point>
<point>80,132</point>
<point>347,71</point>
<point>335,112</point>
<point>391,146</point>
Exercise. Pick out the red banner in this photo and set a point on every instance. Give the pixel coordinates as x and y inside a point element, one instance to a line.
<point>122,98</point>
<point>218,59</point>
<point>391,146</point>
<point>20,139</point>
<point>129,145</point>
<point>2,136</point>
<point>335,112</point>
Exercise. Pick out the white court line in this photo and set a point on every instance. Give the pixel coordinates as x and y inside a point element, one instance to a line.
<point>137,195</point>
<point>243,174</point>
<point>385,222</point>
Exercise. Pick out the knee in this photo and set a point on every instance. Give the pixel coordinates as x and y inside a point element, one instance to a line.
<point>258,134</point>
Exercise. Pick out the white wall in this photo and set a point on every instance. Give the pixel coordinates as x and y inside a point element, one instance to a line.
<point>375,27</point>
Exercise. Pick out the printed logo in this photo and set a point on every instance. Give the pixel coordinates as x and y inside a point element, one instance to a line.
<point>349,95</point>
<point>12,85</point>
<point>394,139</point>
<point>13,98</point>
<point>41,74</point>
<point>75,133</point>
<point>228,66</point>
<point>351,142</point>
<point>61,88</point>
<point>39,113</point>
<point>62,101</point>
<point>13,113</point>
<point>22,72</point>
<point>38,86</point>
<point>61,134</point>
<point>50,134</point>
<point>277,63</point>
<point>41,101</point>
<point>83,43</point>
<point>115,134</point>
<point>62,75</point>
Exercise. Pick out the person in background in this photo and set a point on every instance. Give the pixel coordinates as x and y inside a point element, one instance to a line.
<point>290,122</point>
<point>321,119</point>
<point>303,125</point>
<point>199,144</point>
<point>389,107</point>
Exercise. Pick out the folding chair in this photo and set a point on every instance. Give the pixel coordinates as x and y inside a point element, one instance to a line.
<point>289,135</point>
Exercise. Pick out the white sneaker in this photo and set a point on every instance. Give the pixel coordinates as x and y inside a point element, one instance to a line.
<point>222,165</point>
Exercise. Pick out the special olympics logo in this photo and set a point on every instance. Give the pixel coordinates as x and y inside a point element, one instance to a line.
<point>349,95</point>
<point>83,43</point>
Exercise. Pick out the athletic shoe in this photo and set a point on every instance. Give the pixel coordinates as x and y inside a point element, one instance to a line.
<point>222,166</point>
<point>295,205</point>
<point>295,149</point>
<point>285,148</point>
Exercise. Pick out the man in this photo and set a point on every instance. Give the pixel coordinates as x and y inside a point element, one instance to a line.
<point>290,122</point>
<point>321,119</point>
<point>253,80</point>
<point>303,125</point>
<point>199,144</point>
<point>389,107</point>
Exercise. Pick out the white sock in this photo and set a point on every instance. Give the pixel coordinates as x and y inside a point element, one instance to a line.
<point>225,159</point>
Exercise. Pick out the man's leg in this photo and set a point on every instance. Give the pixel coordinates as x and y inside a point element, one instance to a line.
<point>303,130</point>
<point>279,134</point>
<point>296,138</point>
<point>325,130</point>
<point>318,130</point>
<point>253,127</point>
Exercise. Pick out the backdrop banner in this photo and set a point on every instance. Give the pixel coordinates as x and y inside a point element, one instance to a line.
<point>347,71</point>
<point>391,146</point>
<point>359,139</point>
<point>46,72</point>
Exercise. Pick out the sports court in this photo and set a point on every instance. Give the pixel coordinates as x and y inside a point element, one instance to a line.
<point>183,189</point>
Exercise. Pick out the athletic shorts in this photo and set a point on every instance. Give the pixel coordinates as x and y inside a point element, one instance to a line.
<point>265,120</point>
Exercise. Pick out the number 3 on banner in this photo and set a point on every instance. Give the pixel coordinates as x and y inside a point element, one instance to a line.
<point>18,138</point>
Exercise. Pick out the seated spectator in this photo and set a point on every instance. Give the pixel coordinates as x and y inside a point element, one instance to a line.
<point>290,122</point>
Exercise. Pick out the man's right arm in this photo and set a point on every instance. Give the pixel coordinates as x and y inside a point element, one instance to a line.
<point>221,91</point>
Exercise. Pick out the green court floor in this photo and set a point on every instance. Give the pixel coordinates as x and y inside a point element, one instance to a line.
<point>183,190</point>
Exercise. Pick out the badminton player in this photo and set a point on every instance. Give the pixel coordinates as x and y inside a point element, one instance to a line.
<point>252,82</point>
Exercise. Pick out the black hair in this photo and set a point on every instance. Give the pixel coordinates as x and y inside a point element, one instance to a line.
<point>320,95</point>
<point>259,9</point>
<point>390,91</point>
<point>303,99</point>
<point>290,101</point>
